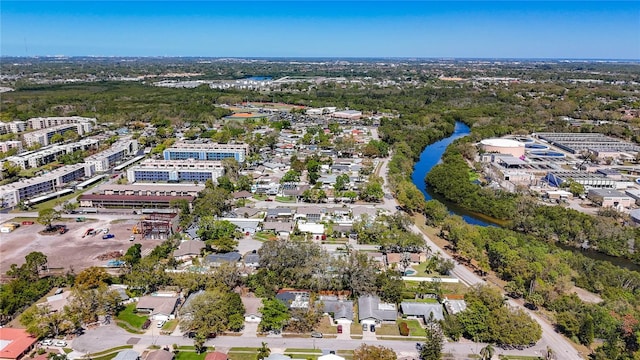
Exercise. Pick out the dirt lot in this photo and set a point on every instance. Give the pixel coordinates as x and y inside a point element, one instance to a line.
<point>71,249</point>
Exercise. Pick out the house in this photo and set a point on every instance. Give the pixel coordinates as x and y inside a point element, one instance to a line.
<point>189,249</point>
<point>316,230</point>
<point>311,213</point>
<point>341,311</point>
<point>294,299</point>
<point>359,211</point>
<point>372,312</point>
<point>422,310</point>
<point>454,304</point>
<point>216,355</point>
<point>396,258</point>
<point>279,214</point>
<point>127,355</point>
<point>246,212</point>
<point>252,307</point>
<point>158,307</point>
<point>15,343</point>
<point>252,259</point>
<point>282,229</point>
<point>241,195</point>
<point>246,226</point>
<point>378,258</point>
<point>223,258</point>
<point>160,355</point>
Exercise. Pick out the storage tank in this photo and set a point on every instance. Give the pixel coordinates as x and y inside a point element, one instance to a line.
<point>503,146</point>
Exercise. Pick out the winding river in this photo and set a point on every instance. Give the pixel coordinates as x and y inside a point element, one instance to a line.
<point>431,156</point>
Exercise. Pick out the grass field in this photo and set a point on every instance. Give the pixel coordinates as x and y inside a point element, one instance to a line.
<point>415,329</point>
<point>129,316</point>
<point>190,355</point>
<point>388,329</point>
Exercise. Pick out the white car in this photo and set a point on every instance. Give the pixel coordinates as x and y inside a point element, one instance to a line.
<point>161,323</point>
<point>60,343</point>
<point>46,342</point>
<point>105,230</point>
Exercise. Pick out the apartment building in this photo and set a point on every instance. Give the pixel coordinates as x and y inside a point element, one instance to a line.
<point>43,137</point>
<point>109,158</point>
<point>49,154</point>
<point>48,122</point>
<point>206,151</point>
<point>13,127</point>
<point>12,194</point>
<point>11,144</point>
<point>174,171</point>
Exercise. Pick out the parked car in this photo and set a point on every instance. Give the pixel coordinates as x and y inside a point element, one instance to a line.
<point>372,328</point>
<point>146,324</point>
<point>339,329</point>
<point>46,342</point>
<point>105,230</point>
<point>60,343</point>
<point>161,323</point>
<point>108,236</point>
<point>316,334</point>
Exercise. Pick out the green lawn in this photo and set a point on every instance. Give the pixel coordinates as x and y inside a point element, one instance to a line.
<point>303,351</point>
<point>190,355</point>
<point>326,327</point>
<point>415,329</point>
<point>265,236</point>
<point>242,356</point>
<point>388,329</point>
<point>129,316</point>
<point>115,349</point>
<point>286,199</point>
<point>170,325</point>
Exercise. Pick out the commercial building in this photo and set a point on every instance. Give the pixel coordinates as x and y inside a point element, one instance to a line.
<point>46,155</point>
<point>347,114</point>
<point>15,343</point>
<point>43,137</point>
<point>48,122</point>
<point>129,201</point>
<point>206,151</point>
<point>11,144</point>
<point>596,143</point>
<point>12,194</point>
<point>175,171</point>
<point>589,180</point>
<point>149,189</point>
<point>109,158</point>
<point>609,198</point>
<point>503,146</point>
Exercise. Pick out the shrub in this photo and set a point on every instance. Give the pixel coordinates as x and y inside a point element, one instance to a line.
<point>404,329</point>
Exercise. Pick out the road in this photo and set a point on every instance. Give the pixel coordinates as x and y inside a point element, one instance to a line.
<point>561,346</point>
<point>110,336</point>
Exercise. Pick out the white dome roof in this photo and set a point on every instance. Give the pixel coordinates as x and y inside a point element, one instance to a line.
<point>497,142</point>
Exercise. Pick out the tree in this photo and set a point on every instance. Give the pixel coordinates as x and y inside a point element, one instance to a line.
<point>432,347</point>
<point>69,207</point>
<point>435,212</point>
<point>341,182</point>
<point>133,254</point>
<point>48,216</point>
<point>35,262</point>
<point>91,278</point>
<point>486,353</point>
<point>208,312</point>
<point>198,342</point>
<point>70,136</point>
<point>56,138</point>
<point>290,176</point>
<point>263,351</point>
<point>372,352</point>
<point>372,192</point>
<point>10,169</point>
<point>275,315</point>
<point>221,234</point>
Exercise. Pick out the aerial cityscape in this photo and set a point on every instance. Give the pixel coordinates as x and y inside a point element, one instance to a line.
<point>311,180</point>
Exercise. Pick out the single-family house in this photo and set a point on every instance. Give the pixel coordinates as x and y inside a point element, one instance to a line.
<point>160,355</point>
<point>378,258</point>
<point>252,259</point>
<point>282,229</point>
<point>313,214</point>
<point>341,310</point>
<point>315,230</point>
<point>158,307</point>
<point>294,299</point>
<point>454,304</point>
<point>189,249</point>
<point>421,310</point>
<point>246,226</point>
<point>222,258</point>
<point>246,212</point>
<point>371,311</point>
<point>358,211</point>
<point>241,195</point>
<point>252,308</point>
<point>397,258</point>
<point>279,214</point>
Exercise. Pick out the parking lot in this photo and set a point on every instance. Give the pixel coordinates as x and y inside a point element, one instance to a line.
<point>70,250</point>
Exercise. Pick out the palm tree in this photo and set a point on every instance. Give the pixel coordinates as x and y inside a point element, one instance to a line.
<point>487,352</point>
<point>550,354</point>
<point>263,351</point>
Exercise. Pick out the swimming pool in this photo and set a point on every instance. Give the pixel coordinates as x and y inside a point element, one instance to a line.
<point>536,146</point>
<point>547,154</point>
<point>409,272</point>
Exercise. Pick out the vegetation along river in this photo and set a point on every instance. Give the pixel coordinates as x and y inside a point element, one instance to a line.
<point>430,157</point>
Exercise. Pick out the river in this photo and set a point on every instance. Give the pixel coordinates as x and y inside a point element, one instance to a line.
<point>431,156</point>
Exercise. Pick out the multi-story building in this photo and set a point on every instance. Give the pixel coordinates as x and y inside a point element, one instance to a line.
<point>206,151</point>
<point>174,171</point>
<point>23,190</point>
<point>48,122</point>
<point>109,158</point>
<point>12,127</point>
<point>43,137</point>
<point>46,155</point>
<point>11,144</point>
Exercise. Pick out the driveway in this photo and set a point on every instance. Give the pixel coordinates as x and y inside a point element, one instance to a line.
<point>346,332</point>
<point>250,330</point>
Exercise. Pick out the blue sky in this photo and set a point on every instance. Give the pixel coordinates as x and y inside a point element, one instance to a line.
<point>502,29</point>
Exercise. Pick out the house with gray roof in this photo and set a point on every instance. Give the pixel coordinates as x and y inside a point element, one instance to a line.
<point>222,258</point>
<point>279,214</point>
<point>311,213</point>
<point>341,310</point>
<point>282,229</point>
<point>127,355</point>
<point>422,310</point>
<point>372,311</point>
<point>251,259</point>
<point>158,307</point>
<point>160,355</point>
<point>189,249</point>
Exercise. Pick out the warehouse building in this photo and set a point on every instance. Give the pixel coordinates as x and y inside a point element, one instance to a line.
<point>610,198</point>
<point>206,151</point>
<point>589,180</point>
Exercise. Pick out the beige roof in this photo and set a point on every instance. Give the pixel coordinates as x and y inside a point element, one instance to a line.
<point>160,355</point>
<point>158,304</point>
<point>190,247</point>
<point>252,305</point>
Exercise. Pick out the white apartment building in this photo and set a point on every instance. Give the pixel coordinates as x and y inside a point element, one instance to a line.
<point>43,137</point>
<point>106,160</point>
<point>174,171</point>
<point>11,144</point>
<point>47,122</point>
<point>49,154</point>
<point>12,127</point>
